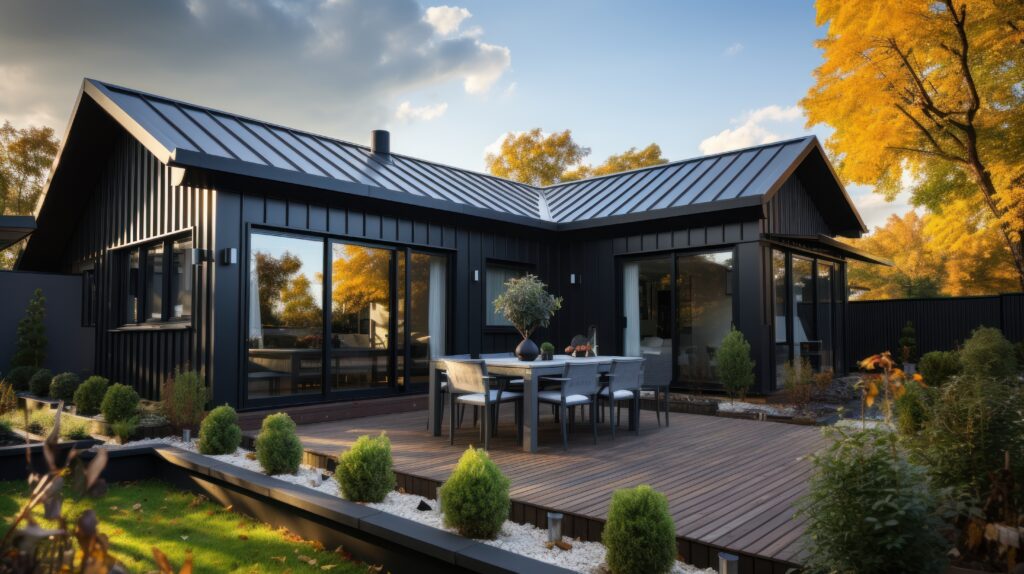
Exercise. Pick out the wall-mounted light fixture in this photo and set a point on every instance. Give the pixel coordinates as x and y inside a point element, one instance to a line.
<point>476,276</point>
<point>229,256</point>
<point>574,279</point>
<point>198,255</point>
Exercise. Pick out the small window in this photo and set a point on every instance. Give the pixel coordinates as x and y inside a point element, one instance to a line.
<point>494,284</point>
<point>180,292</point>
<point>158,281</point>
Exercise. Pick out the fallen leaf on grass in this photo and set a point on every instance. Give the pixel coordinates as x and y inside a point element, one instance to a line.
<point>137,506</point>
<point>327,566</point>
<point>307,560</point>
<point>184,537</point>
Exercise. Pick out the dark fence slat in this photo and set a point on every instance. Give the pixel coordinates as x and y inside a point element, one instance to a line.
<point>941,324</point>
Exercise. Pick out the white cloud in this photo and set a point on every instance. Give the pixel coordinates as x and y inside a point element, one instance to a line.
<point>406,112</point>
<point>873,207</point>
<point>446,19</point>
<point>335,67</point>
<point>751,130</point>
<point>733,49</point>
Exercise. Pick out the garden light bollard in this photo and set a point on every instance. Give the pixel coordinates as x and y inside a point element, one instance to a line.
<point>554,527</point>
<point>728,563</point>
<point>186,435</point>
<point>437,499</point>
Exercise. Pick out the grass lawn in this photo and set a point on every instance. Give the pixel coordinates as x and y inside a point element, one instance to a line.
<point>138,516</point>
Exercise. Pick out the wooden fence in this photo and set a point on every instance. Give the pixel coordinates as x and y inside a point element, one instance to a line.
<point>941,323</point>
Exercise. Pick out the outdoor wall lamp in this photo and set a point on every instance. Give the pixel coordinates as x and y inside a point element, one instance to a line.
<point>229,256</point>
<point>476,276</point>
<point>574,279</point>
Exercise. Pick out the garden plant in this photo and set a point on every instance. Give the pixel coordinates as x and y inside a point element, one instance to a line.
<point>30,346</point>
<point>735,367</point>
<point>219,432</point>
<point>937,367</point>
<point>63,387</point>
<point>798,383</point>
<point>39,384</point>
<point>527,305</point>
<point>183,400</point>
<point>987,353</point>
<point>364,471</point>
<point>908,343</point>
<point>120,403</point>
<point>277,446</point>
<point>19,377</point>
<point>8,398</point>
<point>639,533</point>
<point>475,499</point>
<point>89,395</point>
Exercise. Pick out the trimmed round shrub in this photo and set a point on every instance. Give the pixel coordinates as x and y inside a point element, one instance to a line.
<point>89,395</point>
<point>183,400</point>
<point>988,354</point>
<point>475,499</point>
<point>120,403</point>
<point>639,533</point>
<point>277,446</point>
<point>735,367</point>
<point>912,408</point>
<point>39,384</point>
<point>63,387</point>
<point>19,377</point>
<point>937,367</point>
<point>862,491</point>
<point>219,432</point>
<point>364,471</point>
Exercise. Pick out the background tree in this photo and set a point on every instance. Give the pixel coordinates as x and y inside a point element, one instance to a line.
<point>917,271</point>
<point>933,89</point>
<point>536,159</point>
<point>274,274</point>
<point>30,346</point>
<point>25,159</point>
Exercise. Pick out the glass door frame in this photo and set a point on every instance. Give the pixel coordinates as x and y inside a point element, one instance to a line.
<point>673,255</point>
<point>328,240</point>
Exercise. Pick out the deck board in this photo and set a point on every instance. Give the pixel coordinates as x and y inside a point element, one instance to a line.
<point>730,483</point>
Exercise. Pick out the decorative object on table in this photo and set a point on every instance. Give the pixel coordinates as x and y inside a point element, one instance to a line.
<point>527,304</point>
<point>580,347</point>
<point>547,351</point>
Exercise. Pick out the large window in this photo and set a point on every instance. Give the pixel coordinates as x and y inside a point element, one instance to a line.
<point>385,316</point>
<point>806,317</point>
<point>704,308</point>
<point>780,298</point>
<point>158,287</point>
<point>805,343</point>
<point>285,338</point>
<point>647,308</point>
<point>494,284</point>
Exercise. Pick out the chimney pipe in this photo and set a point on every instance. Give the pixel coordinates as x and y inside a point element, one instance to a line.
<point>380,142</point>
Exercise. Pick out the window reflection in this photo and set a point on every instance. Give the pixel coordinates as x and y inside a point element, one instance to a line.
<point>428,312</point>
<point>155,282</point>
<point>360,355</point>
<point>647,305</point>
<point>134,292</point>
<point>181,279</point>
<point>780,292</point>
<point>805,343</point>
<point>825,314</point>
<point>704,307</point>
<point>285,316</point>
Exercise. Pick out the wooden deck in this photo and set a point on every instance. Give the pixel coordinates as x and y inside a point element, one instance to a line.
<point>731,483</point>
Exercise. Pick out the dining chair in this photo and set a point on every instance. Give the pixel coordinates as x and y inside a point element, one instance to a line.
<point>443,387</point>
<point>469,384</point>
<point>579,386</point>
<point>507,383</point>
<point>625,377</point>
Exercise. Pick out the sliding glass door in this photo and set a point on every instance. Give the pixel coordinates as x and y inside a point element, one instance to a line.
<point>807,311</point>
<point>677,309</point>
<point>386,317</point>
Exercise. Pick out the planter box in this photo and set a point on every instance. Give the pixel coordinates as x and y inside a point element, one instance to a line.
<point>692,407</point>
<point>33,403</point>
<point>102,427</point>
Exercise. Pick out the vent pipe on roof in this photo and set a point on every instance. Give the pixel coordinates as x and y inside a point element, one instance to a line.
<point>380,142</point>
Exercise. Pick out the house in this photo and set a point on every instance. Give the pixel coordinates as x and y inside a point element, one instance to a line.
<point>292,268</point>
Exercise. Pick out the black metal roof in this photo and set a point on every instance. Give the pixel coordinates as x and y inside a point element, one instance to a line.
<point>190,136</point>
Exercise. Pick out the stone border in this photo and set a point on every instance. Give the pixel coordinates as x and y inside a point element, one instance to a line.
<point>370,535</point>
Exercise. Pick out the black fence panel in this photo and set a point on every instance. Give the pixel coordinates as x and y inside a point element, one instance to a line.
<point>941,323</point>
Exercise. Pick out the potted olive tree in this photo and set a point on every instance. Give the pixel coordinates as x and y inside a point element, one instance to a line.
<point>527,304</point>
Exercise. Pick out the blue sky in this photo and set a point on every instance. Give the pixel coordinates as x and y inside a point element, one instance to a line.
<point>448,80</point>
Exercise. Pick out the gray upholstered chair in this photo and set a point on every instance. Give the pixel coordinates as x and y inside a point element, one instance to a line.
<point>469,384</point>
<point>579,386</point>
<point>444,383</point>
<point>625,378</point>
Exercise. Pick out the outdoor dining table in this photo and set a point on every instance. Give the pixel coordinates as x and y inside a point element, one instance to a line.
<point>530,372</point>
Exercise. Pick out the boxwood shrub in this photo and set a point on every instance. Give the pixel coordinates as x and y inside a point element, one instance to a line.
<point>364,471</point>
<point>19,377</point>
<point>219,432</point>
<point>89,395</point>
<point>39,384</point>
<point>639,533</point>
<point>937,367</point>
<point>987,353</point>
<point>277,446</point>
<point>120,403</point>
<point>63,387</point>
<point>475,498</point>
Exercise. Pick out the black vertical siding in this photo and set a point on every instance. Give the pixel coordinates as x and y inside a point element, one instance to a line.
<point>792,211</point>
<point>133,201</point>
<point>940,324</point>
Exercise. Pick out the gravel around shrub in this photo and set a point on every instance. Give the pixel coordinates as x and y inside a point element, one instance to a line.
<point>474,499</point>
<point>63,387</point>
<point>89,395</point>
<point>988,354</point>
<point>219,432</point>
<point>277,446</point>
<point>364,471</point>
<point>19,377</point>
<point>937,367</point>
<point>39,384</point>
<point>639,533</point>
<point>120,403</point>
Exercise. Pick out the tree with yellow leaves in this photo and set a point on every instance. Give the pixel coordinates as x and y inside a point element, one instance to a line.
<point>537,159</point>
<point>933,89</point>
<point>916,270</point>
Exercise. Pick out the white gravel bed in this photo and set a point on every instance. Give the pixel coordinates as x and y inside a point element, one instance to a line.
<point>858,424</point>
<point>744,407</point>
<point>524,539</point>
